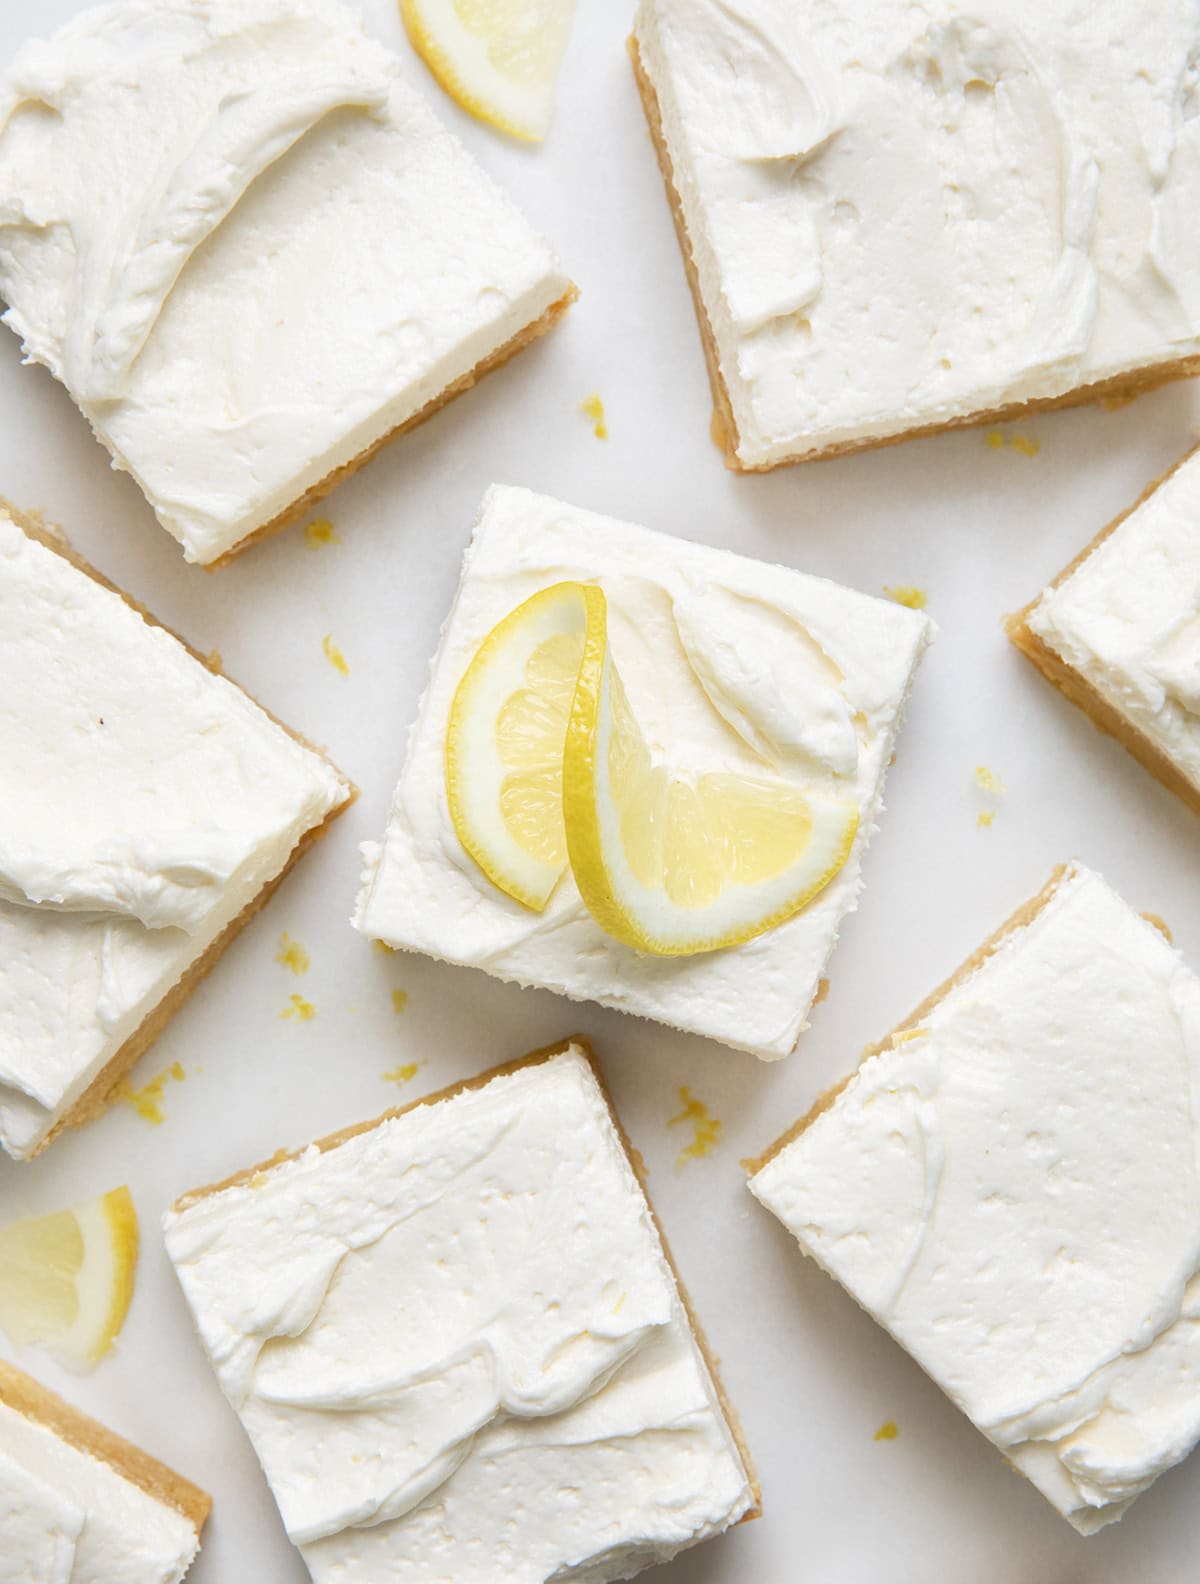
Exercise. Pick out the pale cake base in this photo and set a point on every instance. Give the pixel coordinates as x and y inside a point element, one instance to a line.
<point>32,1401</point>
<point>1118,389</point>
<point>322,487</point>
<point>635,1160</point>
<point>97,1096</point>
<point>1023,916</point>
<point>1076,687</point>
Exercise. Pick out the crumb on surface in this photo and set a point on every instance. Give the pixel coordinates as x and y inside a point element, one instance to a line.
<point>706,1129</point>
<point>334,655</point>
<point>592,407</point>
<point>403,1074</point>
<point>907,594</point>
<point>888,1431</point>
<point>147,1101</point>
<point>1161,925</point>
<point>292,955</point>
<point>298,1008</point>
<point>320,532</point>
<point>399,1000</point>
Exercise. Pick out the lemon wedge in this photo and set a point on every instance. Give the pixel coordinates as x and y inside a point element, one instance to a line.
<point>497,58</point>
<point>504,743</point>
<point>66,1279</point>
<point>674,864</point>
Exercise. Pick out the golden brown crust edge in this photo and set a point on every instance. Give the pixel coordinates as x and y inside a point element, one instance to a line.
<point>33,1401</point>
<point>318,491</point>
<point>724,430</point>
<point>1020,919</point>
<point>463,1086</point>
<point>1118,389</point>
<point>96,1096</point>
<point>1075,687</point>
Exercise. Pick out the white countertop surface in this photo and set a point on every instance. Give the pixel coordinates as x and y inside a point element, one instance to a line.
<point>980,529</point>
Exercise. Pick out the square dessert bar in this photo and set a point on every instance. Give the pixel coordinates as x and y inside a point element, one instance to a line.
<point>148,808</point>
<point>1008,1185</point>
<point>1118,632</point>
<point>898,219</point>
<point>77,1502</point>
<point>458,1344</point>
<point>736,665</point>
<point>250,251</point>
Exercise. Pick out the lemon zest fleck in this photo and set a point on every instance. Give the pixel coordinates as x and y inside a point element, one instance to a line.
<point>985,817</point>
<point>706,1129</point>
<point>988,781</point>
<point>147,1101</point>
<point>292,955</point>
<point>907,594</point>
<point>1023,445</point>
<point>592,407</point>
<point>382,946</point>
<point>320,532</point>
<point>888,1431</point>
<point>399,1000</point>
<point>334,655</point>
<point>303,1011</point>
<point>403,1074</point>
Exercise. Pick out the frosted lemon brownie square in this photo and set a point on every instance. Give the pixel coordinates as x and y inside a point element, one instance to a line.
<point>147,809</point>
<point>1118,632</point>
<point>80,1506</point>
<point>458,1344</point>
<point>1008,1184</point>
<point>899,218</point>
<point>686,846</point>
<point>250,251</point>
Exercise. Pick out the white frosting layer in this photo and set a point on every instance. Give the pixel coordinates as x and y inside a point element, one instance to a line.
<point>1012,1190</point>
<point>459,1349</point>
<point>1128,618</point>
<point>729,664</point>
<point>69,1518</point>
<point>903,212</point>
<point>246,247</point>
<point>145,802</point>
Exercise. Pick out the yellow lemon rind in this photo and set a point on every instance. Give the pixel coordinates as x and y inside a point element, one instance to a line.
<point>585,842</point>
<point>506,631</point>
<point>446,75</point>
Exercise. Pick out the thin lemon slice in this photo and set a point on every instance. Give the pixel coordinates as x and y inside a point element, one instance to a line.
<point>66,1279</point>
<point>497,58</point>
<point>672,864</point>
<point>504,743</point>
